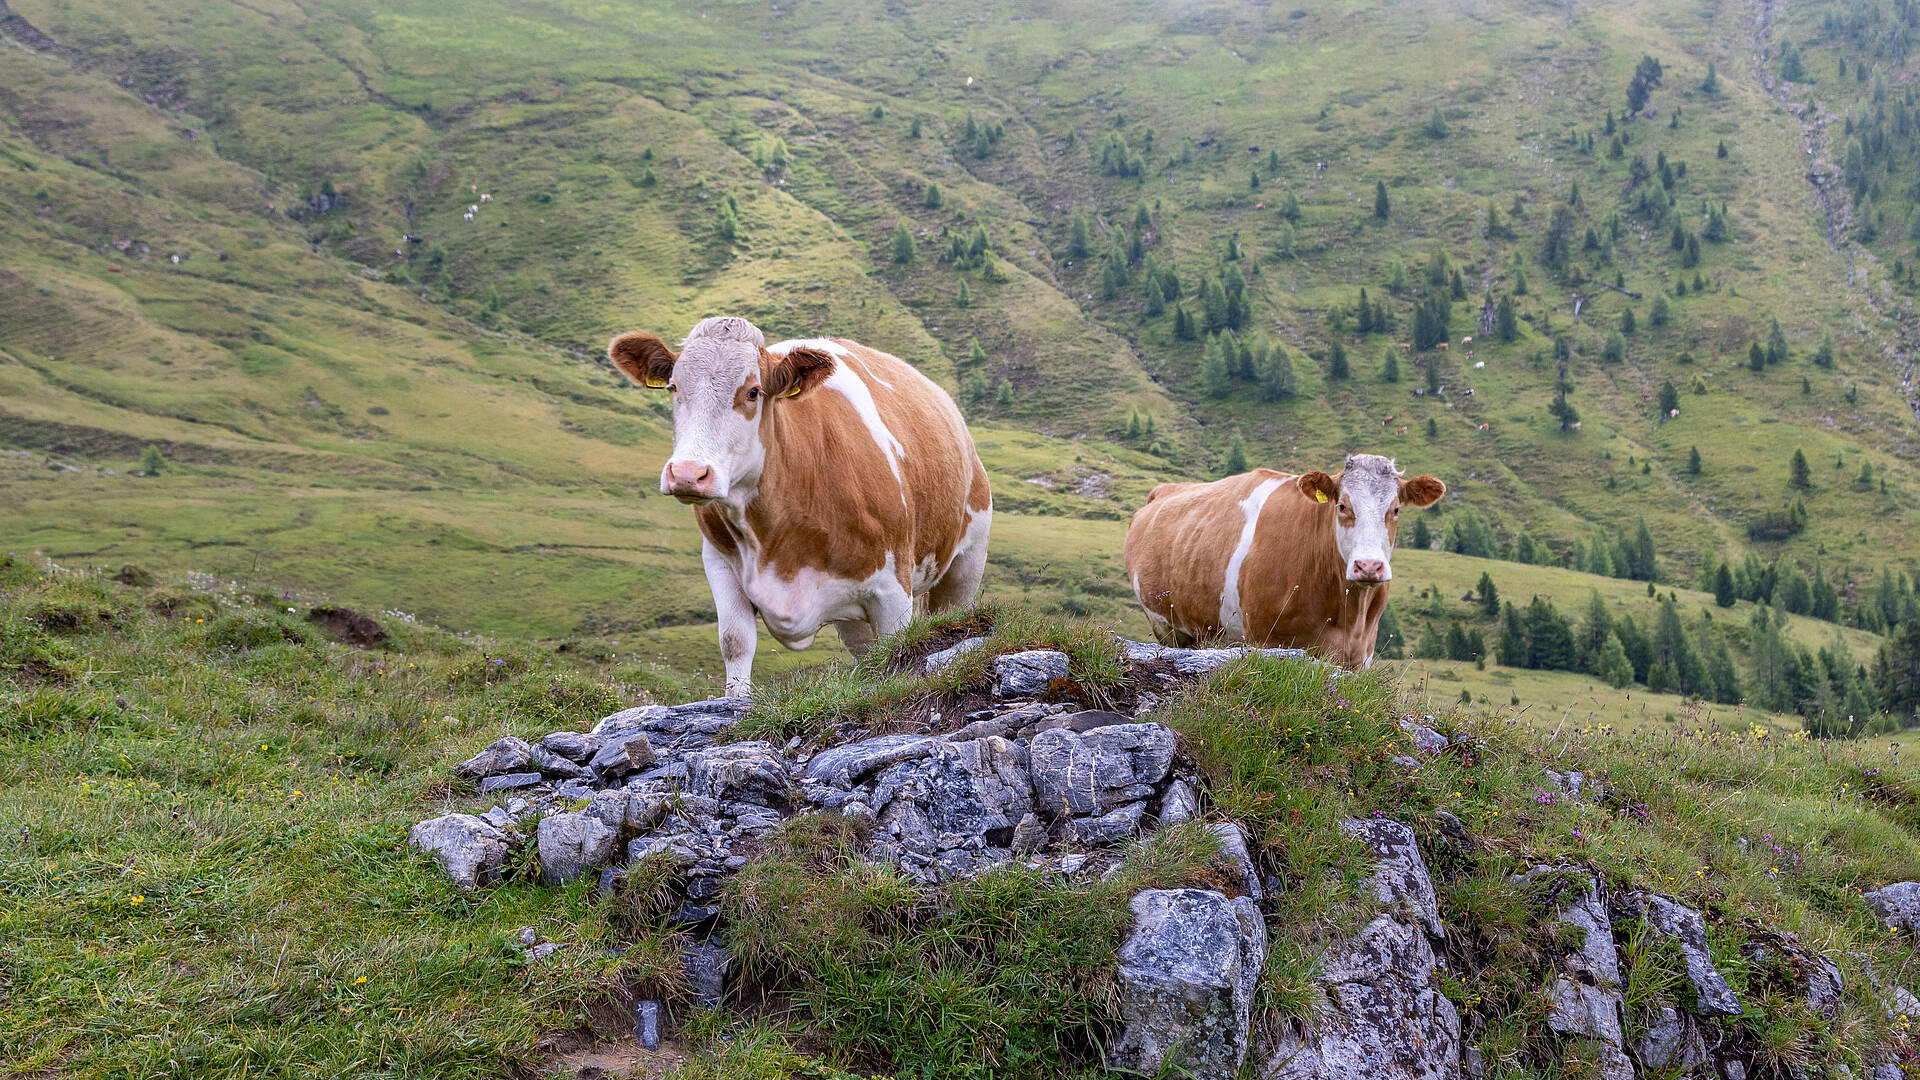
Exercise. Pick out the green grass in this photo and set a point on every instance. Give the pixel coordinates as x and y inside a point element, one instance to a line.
<point>430,428</point>
<point>211,804</point>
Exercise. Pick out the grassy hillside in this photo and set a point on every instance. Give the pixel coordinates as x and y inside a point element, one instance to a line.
<point>359,391</point>
<point>208,874</point>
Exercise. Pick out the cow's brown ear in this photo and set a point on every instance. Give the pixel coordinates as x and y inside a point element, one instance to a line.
<point>1421,491</point>
<point>643,358</point>
<point>797,372</point>
<point>1318,486</point>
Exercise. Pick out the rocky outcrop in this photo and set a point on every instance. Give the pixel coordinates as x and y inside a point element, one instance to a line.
<point>1385,1018</point>
<point>1186,981</point>
<point>1672,919</point>
<point>1896,905</point>
<point>469,849</point>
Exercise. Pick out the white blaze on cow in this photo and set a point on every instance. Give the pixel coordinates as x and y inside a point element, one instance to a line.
<point>1274,559</point>
<point>832,483</point>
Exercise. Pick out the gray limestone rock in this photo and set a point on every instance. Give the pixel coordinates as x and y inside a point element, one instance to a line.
<point>706,968</point>
<point>1029,835</point>
<point>1196,661</point>
<point>502,756</point>
<point>1588,1011</point>
<point>934,662</point>
<point>509,781</point>
<point>623,753</point>
<point>1400,875</point>
<point>1233,851</point>
<point>1423,736</point>
<point>1118,824</point>
<point>960,790</point>
<point>573,845</point>
<point>470,850</point>
<point>1186,983</point>
<point>1896,905</point>
<point>1671,1042</point>
<point>575,746</point>
<point>552,764</point>
<point>1675,920</point>
<point>1090,773</point>
<point>1384,1019</point>
<point>846,766</point>
<point>751,772</point>
<point>1027,674</point>
<point>1179,803</point>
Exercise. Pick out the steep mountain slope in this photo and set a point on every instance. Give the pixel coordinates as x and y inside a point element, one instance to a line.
<point>369,379</point>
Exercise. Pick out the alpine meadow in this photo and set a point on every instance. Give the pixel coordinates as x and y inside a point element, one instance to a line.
<point>304,312</point>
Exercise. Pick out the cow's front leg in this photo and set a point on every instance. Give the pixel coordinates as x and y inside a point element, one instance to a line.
<point>889,609</point>
<point>738,635</point>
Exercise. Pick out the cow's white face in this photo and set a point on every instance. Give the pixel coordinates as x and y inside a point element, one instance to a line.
<point>722,381</point>
<point>1367,498</point>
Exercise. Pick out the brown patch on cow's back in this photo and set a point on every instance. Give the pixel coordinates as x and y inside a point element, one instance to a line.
<point>828,498</point>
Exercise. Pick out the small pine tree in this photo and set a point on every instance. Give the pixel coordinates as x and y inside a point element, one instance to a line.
<point>1337,364</point>
<point>1776,345</point>
<point>1422,534</point>
<point>1390,370</point>
<point>1236,456</point>
<point>1004,397</point>
<point>1156,300</point>
<point>903,246</point>
<point>1381,205</point>
<point>976,388</point>
<point>1506,321</point>
<point>1214,368</point>
<point>1823,357</point>
<point>1489,596</point>
<point>1079,236</point>
<point>1757,357</point>
<point>1627,323</point>
<point>1134,427</point>
<point>1277,376</point>
<point>964,297</point>
<point>913,129</point>
<point>1693,461</point>
<point>932,199</point>
<point>976,355</point>
<point>1710,84</point>
<point>1661,314</point>
<point>1797,475</point>
<point>1721,150</point>
<point>1437,125</point>
<point>1433,429</point>
<point>152,462</point>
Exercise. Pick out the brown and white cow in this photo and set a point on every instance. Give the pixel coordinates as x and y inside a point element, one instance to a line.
<point>833,483</point>
<point>1274,559</point>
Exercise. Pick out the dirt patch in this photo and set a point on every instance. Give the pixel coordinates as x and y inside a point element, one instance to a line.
<point>348,627</point>
<point>581,1055</point>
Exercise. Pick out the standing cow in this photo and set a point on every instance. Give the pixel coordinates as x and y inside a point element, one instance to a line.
<point>1273,559</point>
<point>833,483</point>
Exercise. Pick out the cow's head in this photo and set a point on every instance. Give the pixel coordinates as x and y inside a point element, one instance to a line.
<point>1365,499</point>
<point>722,381</point>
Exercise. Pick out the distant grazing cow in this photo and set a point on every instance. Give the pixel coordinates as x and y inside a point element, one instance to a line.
<point>1274,559</point>
<point>833,484</point>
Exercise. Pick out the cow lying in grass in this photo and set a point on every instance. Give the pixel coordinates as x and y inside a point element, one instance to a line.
<point>832,483</point>
<point>1273,559</point>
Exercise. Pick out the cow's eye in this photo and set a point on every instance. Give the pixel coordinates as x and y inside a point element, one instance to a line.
<point>753,393</point>
<point>673,388</point>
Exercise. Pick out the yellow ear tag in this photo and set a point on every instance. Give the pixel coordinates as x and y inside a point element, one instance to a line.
<point>656,384</point>
<point>795,392</point>
<point>1319,496</point>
